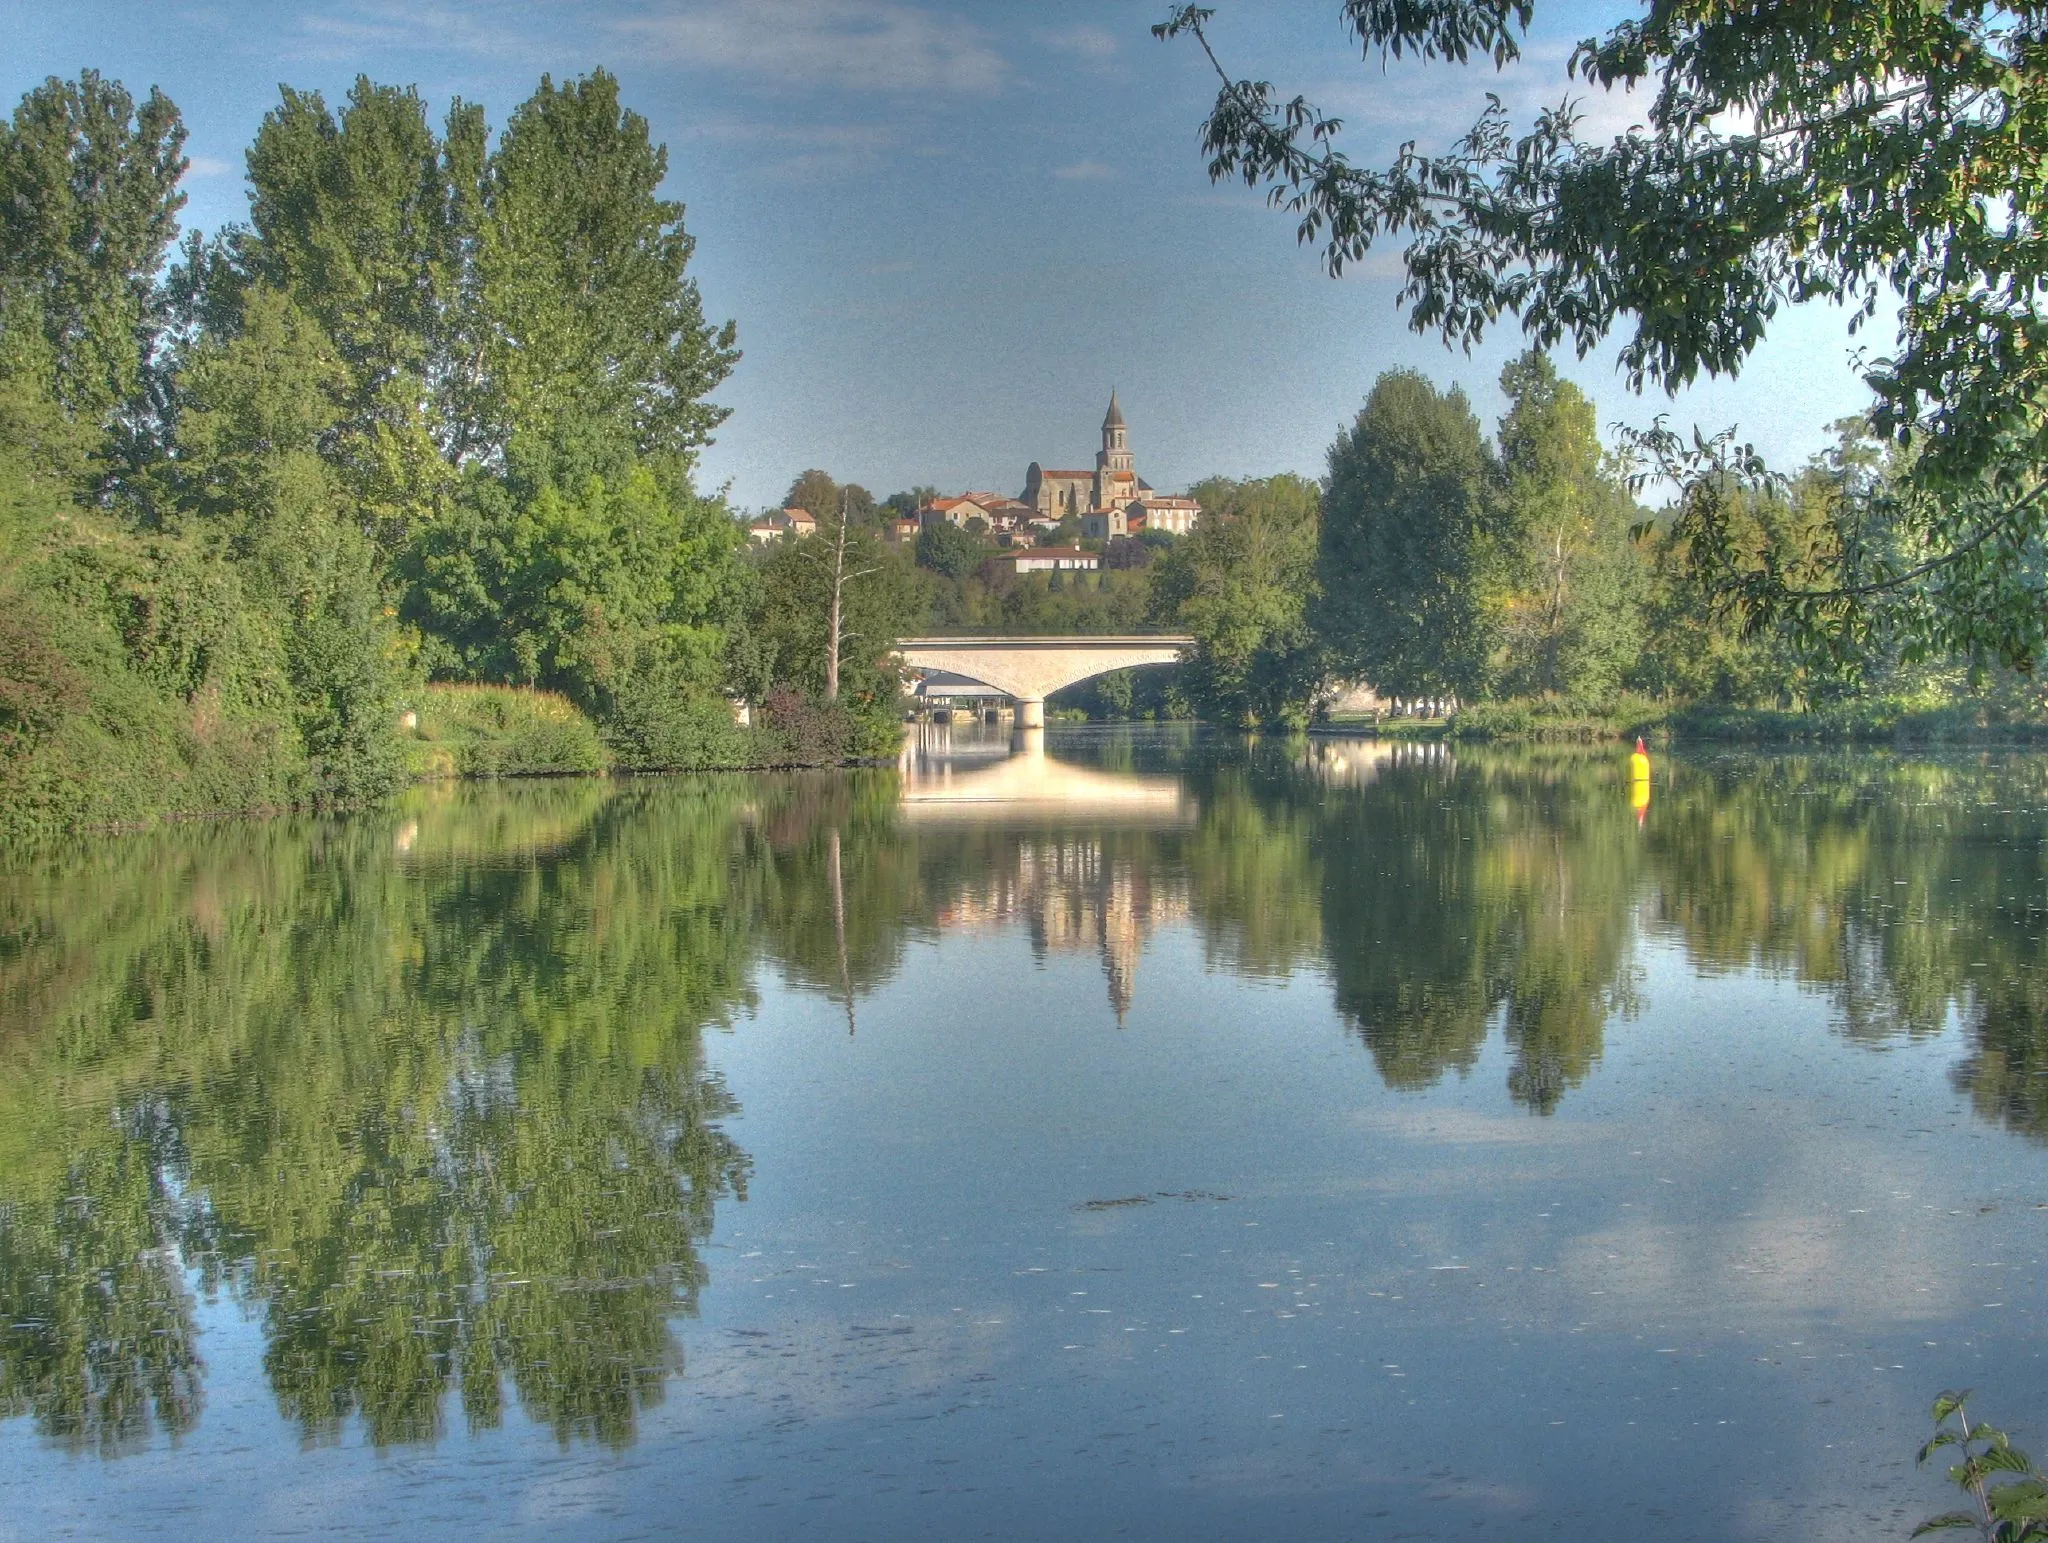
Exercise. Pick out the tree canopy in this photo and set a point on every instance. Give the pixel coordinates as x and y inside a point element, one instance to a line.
<point>1849,153</point>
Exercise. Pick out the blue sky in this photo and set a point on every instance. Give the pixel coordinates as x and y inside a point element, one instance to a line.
<point>947,229</point>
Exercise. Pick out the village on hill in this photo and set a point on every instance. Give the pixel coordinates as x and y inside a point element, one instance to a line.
<point>1061,521</point>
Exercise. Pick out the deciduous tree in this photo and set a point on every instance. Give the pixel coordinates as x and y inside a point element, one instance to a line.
<point>1847,153</point>
<point>1409,564</point>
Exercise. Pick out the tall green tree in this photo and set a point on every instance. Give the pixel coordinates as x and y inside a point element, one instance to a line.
<point>950,551</point>
<point>1572,624</point>
<point>89,203</point>
<point>359,219</point>
<point>1409,563</point>
<point>1243,584</point>
<point>255,411</point>
<point>589,335</point>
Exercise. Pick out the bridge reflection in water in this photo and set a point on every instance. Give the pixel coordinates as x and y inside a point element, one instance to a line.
<point>985,776</point>
<point>1070,882</point>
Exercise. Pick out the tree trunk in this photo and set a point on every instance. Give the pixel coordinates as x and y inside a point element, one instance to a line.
<point>838,585</point>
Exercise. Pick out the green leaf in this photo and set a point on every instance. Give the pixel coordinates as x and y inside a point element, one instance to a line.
<point>1948,1521</point>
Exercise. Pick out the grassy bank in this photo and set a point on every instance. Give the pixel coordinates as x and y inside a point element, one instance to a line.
<point>513,731</point>
<point>1877,721</point>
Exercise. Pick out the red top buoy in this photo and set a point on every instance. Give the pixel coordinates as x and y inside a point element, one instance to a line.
<point>1641,748</point>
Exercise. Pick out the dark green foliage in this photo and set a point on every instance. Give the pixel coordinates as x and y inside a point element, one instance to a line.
<point>1409,557</point>
<point>950,551</point>
<point>651,729</point>
<point>2008,1494</point>
<point>818,495</point>
<point>432,410</point>
<point>1571,626</point>
<point>583,593</point>
<point>1243,585</point>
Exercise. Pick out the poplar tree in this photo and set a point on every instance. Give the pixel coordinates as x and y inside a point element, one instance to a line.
<point>1571,625</point>
<point>89,205</point>
<point>1408,563</point>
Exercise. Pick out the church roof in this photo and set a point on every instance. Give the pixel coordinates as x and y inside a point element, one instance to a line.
<point>1085,476</point>
<point>1114,419</point>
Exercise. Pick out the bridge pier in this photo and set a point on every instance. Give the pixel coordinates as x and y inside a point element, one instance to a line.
<point>1030,712</point>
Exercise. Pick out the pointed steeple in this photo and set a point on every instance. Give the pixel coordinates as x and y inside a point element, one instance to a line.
<point>1114,418</point>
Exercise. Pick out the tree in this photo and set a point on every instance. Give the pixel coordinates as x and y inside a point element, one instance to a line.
<point>253,412</point>
<point>590,334</point>
<point>1571,626</point>
<point>824,499</point>
<point>904,506</point>
<point>523,309</point>
<point>950,551</point>
<point>831,607</point>
<point>1243,584</point>
<point>1409,560</point>
<point>1786,154</point>
<point>89,205</point>
<point>601,591</point>
<point>1121,552</point>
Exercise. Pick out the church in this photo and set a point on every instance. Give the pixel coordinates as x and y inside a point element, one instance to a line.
<point>1111,500</point>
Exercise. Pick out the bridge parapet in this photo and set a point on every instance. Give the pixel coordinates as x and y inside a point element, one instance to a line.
<point>1030,669</point>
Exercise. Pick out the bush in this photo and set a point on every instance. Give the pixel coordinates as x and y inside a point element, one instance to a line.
<point>801,732</point>
<point>652,730</point>
<point>503,731</point>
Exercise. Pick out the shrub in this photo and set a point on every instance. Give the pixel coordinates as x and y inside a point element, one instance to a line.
<point>652,730</point>
<point>802,732</point>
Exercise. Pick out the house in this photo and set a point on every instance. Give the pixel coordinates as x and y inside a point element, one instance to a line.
<point>1154,511</point>
<point>795,523</point>
<point>1045,559</point>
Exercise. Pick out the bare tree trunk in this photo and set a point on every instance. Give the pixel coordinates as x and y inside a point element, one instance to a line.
<point>838,585</point>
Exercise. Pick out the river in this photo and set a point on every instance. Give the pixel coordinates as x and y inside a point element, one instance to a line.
<point>1147,1133</point>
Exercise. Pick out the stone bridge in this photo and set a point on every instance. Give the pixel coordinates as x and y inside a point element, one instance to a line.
<point>1028,670</point>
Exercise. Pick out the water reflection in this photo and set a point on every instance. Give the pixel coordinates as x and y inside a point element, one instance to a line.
<point>425,1090</point>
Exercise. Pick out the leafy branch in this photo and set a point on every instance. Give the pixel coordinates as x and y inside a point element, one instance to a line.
<point>2008,1494</point>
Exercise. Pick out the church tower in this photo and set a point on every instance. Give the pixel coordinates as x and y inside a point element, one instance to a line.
<point>1114,478</point>
<point>1116,445</point>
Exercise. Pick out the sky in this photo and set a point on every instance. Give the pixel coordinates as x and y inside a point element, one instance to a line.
<point>947,230</point>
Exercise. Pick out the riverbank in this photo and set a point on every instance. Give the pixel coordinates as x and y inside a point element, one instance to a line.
<point>1869,723</point>
<point>207,765</point>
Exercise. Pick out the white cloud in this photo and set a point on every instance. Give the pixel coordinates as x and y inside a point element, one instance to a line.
<point>795,150</point>
<point>856,45</point>
<point>207,166</point>
<point>345,32</point>
<point>1093,46</point>
<point>1084,171</point>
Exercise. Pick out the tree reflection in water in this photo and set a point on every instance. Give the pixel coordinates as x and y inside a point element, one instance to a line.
<point>425,1090</point>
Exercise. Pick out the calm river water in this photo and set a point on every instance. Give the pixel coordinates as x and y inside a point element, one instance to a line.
<point>1149,1135</point>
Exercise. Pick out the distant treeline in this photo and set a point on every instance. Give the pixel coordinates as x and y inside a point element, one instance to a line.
<point>1515,575</point>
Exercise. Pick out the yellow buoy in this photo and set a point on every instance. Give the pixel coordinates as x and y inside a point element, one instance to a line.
<point>1639,781</point>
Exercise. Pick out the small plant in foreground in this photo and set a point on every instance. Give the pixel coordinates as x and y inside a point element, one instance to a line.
<point>2008,1510</point>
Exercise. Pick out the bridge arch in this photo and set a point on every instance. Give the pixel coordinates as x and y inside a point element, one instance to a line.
<point>1030,669</point>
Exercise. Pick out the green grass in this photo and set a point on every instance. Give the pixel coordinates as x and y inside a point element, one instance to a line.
<point>500,731</point>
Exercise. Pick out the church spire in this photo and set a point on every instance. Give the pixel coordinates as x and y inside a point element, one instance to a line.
<point>1114,418</point>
